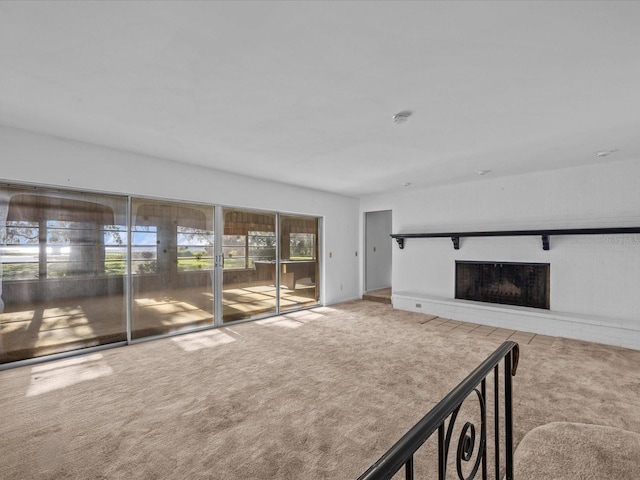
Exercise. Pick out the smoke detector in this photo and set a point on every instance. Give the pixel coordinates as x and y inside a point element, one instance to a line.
<point>604,153</point>
<point>401,117</point>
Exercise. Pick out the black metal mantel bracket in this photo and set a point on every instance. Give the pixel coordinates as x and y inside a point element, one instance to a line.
<point>545,234</point>
<point>545,242</point>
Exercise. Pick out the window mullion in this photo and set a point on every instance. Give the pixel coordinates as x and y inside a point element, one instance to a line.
<point>246,249</point>
<point>42,243</point>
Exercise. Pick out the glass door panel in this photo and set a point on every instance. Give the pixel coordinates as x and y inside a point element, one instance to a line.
<point>62,270</point>
<point>249,266</point>
<point>299,272</point>
<point>172,262</point>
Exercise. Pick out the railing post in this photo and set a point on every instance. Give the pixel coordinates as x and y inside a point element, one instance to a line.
<point>409,469</point>
<point>442,455</point>
<point>483,393</point>
<point>496,416</point>
<point>509,370</point>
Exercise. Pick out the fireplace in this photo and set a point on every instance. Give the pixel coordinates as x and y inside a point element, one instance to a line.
<point>524,284</point>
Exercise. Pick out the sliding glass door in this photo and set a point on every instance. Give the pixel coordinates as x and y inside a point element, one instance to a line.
<point>62,269</point>
<point>267,269</point>
<point>171,267</point>
<point>81,270</point>
<point>299,272</point>
<point>249,250</point>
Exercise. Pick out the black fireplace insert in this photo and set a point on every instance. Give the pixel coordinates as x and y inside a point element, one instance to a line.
<point>508,283</point>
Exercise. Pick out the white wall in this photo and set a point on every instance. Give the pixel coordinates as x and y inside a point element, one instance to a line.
<point>40,159</point>
<point>591,276</point>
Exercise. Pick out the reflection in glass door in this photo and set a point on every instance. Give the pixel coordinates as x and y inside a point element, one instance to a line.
<point>298,262</point>
<point>81,270</point>
<point>249,267</point>
<point>171,267</point>
<point>62,270</point>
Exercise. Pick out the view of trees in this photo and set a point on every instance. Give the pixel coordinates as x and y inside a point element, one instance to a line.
<point>69,249</point>
<point>302,246</point>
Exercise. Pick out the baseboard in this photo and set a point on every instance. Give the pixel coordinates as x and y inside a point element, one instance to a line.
<point>342,300</point>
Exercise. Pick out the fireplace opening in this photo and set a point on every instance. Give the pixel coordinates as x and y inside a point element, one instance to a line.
<point>524,284</point>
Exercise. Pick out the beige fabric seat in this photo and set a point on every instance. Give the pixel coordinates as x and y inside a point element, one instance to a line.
<point>577,451</point>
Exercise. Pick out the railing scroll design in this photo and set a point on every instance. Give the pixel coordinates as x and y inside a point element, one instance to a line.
<point>471,442</point>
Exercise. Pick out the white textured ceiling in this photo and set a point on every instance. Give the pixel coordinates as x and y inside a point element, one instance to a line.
<point>304,92</point>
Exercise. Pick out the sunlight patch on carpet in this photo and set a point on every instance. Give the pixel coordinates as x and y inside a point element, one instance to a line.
<point>280,322</point>
<point>198,341</point>
<point>305,315</point>
<point>65,373</point>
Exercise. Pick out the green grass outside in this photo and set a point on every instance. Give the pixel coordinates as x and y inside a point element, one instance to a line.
<point>115,265</point>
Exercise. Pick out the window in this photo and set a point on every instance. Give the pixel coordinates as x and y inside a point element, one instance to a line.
<point>115,249</point>
<point>67,249</point>
<point>144,249</point>
<point>234,249</point>
<point>262,246</point>
<point>19,250</point>
<point>73,249</point>
<point>242,251</point>
<point>249,236</point>
<point>302,246</point>
<point>195,249</point>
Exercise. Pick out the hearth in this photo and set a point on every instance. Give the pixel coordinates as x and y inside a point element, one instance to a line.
<point>509,283</point>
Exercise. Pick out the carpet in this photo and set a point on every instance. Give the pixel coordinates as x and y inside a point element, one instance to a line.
<point>316,394</point>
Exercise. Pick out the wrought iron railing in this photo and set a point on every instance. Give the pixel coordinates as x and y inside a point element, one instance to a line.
<point>469,450</point>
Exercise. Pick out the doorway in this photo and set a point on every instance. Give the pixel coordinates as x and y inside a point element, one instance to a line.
<point>378,243</point>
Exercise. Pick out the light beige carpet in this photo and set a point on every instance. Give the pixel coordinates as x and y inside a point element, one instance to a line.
<point>317,394</point>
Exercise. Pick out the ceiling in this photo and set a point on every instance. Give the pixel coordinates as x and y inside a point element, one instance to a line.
<point>304,92</point>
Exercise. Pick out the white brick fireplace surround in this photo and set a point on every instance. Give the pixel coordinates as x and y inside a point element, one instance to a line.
<point>594,284</point>
<point>594,279</point>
